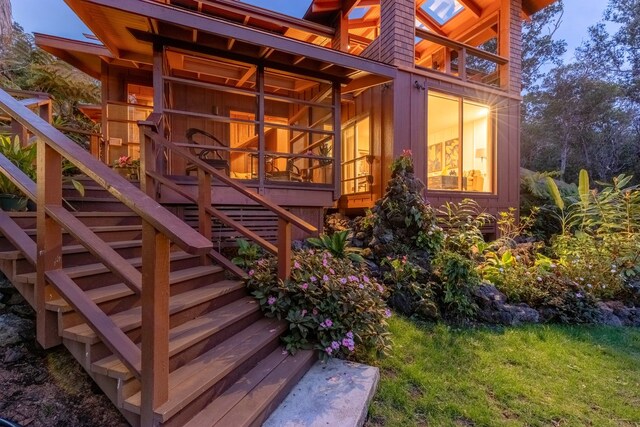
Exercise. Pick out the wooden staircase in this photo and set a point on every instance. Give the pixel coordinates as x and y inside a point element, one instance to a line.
<point>162,323</point>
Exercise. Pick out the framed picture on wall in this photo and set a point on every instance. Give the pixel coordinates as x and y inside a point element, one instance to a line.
<point>451,154</point>
<point>434,158</point>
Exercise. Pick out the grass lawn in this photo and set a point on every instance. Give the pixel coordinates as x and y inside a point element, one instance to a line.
<point>528,376</point>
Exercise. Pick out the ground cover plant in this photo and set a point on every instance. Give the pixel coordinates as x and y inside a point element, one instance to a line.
<point>537,375</point>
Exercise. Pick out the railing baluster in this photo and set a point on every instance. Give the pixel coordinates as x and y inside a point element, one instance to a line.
<point>155,321</point>
<point>49,192</point>
<point>284,249</point>
<point>204,201</point>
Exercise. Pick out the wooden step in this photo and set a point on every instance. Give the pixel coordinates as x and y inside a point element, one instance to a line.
<point>131,319</point>
<point>120,290</point>
<point>205,377</point>
<point>96,218</point>
<point>95,273</point>
<point>187,335</point>
<point>254,396</point>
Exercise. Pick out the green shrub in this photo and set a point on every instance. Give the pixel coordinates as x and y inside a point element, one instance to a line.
<point>464,222</point>
<point>248,253</point>
<point>329,304</point>
<point>410,290</point>
<point>338,245</point>
<point>458,277</point>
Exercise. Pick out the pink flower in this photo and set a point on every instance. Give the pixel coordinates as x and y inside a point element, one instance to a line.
<point>335,345</point>
<point>343,280</point>
<point>406,153</point>
<point>303,312</point>
<point>315,312</point>
<point>251,273</point>
<point>350,334</point>
<point>271,300</point>
<point>361,286</point>
<point>332,271</point>
<point>296,265</point>
<point>366,279</point>
<point>313,278</point>
<point>324,262</point>
<point>353,279</point>
<point>380,289</point>
<point>329,323</point>
<point>387,313</point>
<point>328,350</point>
<point>304,286</point>
<point>325,278</point>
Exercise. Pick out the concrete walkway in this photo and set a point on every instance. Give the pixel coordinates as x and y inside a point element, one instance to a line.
<point>335,393</point>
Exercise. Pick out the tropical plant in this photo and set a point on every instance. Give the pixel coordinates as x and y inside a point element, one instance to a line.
<point>24,157</point>
<point>464,222</point>
<point>410,291</point>
<point>329,304</point>
<point>458,277</point>
<point>248,253</point>
<point>338,245</point>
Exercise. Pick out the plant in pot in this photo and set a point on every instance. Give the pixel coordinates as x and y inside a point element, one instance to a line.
<point>11,198</point>
<point>127,167</point>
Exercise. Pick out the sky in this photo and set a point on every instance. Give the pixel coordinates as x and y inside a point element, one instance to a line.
<point>54,17</point>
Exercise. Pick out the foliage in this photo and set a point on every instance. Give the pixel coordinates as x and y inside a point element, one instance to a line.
<point>338,245</point>
<point>126,162</point>
<point>25,66</point>
<point>402,222</point>
<point>248,253</point>
<point>549,375</point>
<point>410,291</point>
<point>458,278</point>
<point>23,157</point>
<point>329,304</point>
<point>464,222</point>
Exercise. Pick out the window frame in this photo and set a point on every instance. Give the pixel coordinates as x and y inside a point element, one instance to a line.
<point>353,122</point>
<point>492,149</point>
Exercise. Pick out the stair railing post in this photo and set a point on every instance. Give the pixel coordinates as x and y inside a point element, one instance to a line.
<point>284,249</point>
<point>204,202</point>
<point>49,241</point>
<point>156,250</point>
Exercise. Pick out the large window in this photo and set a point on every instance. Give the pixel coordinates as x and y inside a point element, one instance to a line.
<point>460,145</point>
<point>356,156</point>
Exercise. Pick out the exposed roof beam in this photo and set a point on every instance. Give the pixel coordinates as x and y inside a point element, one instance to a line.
<point>250,72</point>
<point>253,36</point>
<point>427,20</point>
<point>356,24</point>
<point>472,6</point>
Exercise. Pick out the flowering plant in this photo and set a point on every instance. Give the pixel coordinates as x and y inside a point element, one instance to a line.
<point>126,162</point>
<point>329,304</point>
<point>403,163</point>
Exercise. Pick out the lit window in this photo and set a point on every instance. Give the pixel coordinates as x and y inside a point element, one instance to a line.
<point>356,156</point>
<point>442,10</point>
<point>460,145</point>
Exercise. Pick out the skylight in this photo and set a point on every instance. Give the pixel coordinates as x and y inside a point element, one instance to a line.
<point>442,10</point>
<point>359,12</point>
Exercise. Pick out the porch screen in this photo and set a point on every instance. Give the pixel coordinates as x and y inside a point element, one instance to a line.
<point>356,160</point>
<point>460,145</point>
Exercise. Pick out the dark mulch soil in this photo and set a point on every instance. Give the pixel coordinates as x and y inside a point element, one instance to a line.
<point>44,387</point>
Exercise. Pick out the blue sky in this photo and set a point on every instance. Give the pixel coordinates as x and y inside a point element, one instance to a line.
<point>54,17</point>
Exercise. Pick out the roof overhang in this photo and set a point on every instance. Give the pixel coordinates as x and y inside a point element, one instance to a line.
<point>128,29</point>
<point>85,56</point>
<point>324,11</point>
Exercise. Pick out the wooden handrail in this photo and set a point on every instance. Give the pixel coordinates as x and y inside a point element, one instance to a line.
<point>113,337</point>
<point>225,219</point>
<point>164,221</point>
<point>18,178</point>
<point>98,247</point>
<point>280,212</point>
<point>18,237</point>
<point>444,41</point>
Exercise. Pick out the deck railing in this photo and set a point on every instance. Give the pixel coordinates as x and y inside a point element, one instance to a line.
<point>150,362</point>
<point>151,176</point>
<point>460,60</point>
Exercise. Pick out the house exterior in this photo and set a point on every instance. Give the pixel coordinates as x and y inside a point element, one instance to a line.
<point>310,112</point>
<point>247,123</point>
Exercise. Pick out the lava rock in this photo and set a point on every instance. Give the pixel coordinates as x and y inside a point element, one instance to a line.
<point>494,310</point>
<point>14,329</point>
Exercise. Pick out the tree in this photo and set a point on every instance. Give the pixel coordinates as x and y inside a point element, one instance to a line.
<point>5,19</point>
<point>539,48</point>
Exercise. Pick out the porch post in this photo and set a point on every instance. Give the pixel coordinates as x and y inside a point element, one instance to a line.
<point>260,118</point>
<point>158,103</point>
<point>337,140</point>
